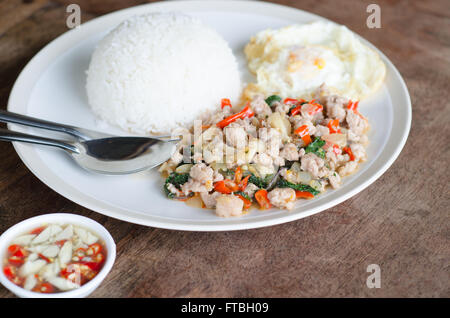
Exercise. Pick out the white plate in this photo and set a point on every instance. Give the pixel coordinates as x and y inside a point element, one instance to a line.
<point>52,87</point>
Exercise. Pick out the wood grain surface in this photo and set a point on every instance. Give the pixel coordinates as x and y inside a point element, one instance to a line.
<point>401,222</point>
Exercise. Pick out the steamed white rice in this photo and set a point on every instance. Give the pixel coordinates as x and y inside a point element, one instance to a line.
<point>156,72</point>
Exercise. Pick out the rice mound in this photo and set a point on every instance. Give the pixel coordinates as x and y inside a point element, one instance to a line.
<point>157,72</point>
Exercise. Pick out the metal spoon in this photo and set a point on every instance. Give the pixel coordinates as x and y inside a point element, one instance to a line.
<point>113,155</point>
<point>78,133</point>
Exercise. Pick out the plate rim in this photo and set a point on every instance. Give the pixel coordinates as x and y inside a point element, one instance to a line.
<point>58,46</point>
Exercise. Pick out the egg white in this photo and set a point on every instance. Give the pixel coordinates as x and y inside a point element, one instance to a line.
<point>296,60</point>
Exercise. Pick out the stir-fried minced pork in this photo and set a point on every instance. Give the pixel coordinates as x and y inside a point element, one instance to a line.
<point>282,197</point>
<point>290,152</point>
<point>335,180</point>
<point>356,123</point>
<point>209,199</point>
<point>229,205</point>
<point>271,153</point>
<point>260,107</point>
<point>314,165</point>
<point>201,179</point>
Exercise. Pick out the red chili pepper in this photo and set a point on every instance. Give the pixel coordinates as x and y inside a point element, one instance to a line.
<point>60,243</point>
<point>80,253</point>
<point>262,199</point>
<point>304,195</point>
<point>44,258</point>
<point>353,106</point>
<point>336,149</point>
<point>221,187</point>
<point>95,266</point>
<point>38,230</point>
<point>247,203</point>
<point>12,249</point>
<point>94,249</point>
<point>349,151</point>
<point>99,258</point>
<point>246,112</point>
<point>238,175</point>
<point>225,102</point>
<point>45,288</point>
<point>243,184</point>
<point>296,110</point>
<point>226,186</point>
<point>9,272</point>
<point>17,250</point>
<point>333,126</point>
<point>15,260</point>
<point>231,185</point>
<point>290,101</point>
<point>317,107</point>
<point>303,132</point>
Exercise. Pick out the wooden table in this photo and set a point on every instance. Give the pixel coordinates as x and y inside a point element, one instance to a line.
<point>401,222</point>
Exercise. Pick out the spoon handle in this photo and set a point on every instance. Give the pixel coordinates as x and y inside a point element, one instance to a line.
<point>79,133</point>
<point>10,117</point>
<point>9,135</point>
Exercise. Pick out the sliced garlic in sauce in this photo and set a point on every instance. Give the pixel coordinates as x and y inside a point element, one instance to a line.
<point>51,251</point>
<point>33,257</point>
<point>30,282</point>
<point>38,248</point>
<point>50,270</point>
<point>42,237</point>
<point>31,267</point>
<point>66,234</point>
<point>62,284</point>
<point>54,229</point>
<point>86,236</point>
<point>65,254</point>
<point>91,238</point>
<point>24,239</point>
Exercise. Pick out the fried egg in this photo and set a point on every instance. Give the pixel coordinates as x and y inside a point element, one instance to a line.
<point>296,60</point>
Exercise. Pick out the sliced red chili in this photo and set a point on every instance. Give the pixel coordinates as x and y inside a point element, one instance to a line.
<point>238,175</point>
<point>303,195</point>
<point>333,126</point>
<point>45,288</point>
<point>336,149</point>
<point>44,258</point>
<point>296,110</point>
<point>17,250</point>
<point>303,132</point>
<point>247,203</point>
<point>290,101</point>
<point>12,249</point>
<point>15,260</point>
<point>262,199</point>
<point>80,252</point>
<point>9,272</point>
<point>95,266</point>
<point>94,249</point>
<point>225,102</point>
<point>38,230</point>
<point>60,243</point>
<point>349,151</point>
<point>99,258</point>
<point>243,184</point>
<point>353,106</point>
<point>221,187</point>
<point>246,112</point>
<point>317,108</point>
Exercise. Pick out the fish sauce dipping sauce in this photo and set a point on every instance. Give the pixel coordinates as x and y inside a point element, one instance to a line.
<point>54,257</point>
